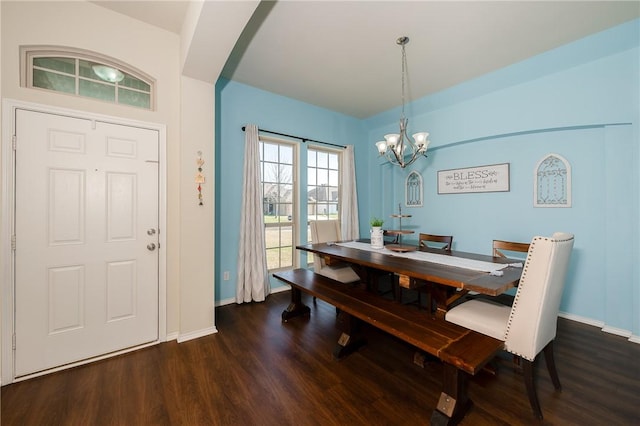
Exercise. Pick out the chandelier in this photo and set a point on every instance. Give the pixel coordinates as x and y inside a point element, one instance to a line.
<point>397,147</point>
<point>106,73</point>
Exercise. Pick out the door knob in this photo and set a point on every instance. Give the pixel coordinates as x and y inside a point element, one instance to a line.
<point>151,246</point>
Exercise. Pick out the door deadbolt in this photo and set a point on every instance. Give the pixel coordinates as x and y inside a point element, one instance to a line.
<point>151,231</point>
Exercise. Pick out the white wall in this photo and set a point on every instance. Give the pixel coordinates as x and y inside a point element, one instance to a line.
<point>3,273</point>
<point>156,52</point>
<point>196,222</point>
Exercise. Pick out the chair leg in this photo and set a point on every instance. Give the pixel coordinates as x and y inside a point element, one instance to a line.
<point>528,371</point>
<point>516,362</point>
<point>551,365</point>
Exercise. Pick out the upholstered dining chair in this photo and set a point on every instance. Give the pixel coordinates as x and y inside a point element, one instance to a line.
<point>529,326</point>
<point>323,231</point>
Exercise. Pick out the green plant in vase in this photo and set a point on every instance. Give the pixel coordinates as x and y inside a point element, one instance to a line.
<point>376,222</point>
<point>376,233</point>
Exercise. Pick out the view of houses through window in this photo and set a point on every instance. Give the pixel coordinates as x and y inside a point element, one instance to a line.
<point>323,195</point>
<point>278,191</point>
<point>279,188</point>
<point>322,183</point>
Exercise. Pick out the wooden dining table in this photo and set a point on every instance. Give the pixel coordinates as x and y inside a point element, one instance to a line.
<point>434,335</point>
<point>447,279</point>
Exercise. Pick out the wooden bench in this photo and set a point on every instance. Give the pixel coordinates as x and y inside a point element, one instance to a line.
<point>462,351</point>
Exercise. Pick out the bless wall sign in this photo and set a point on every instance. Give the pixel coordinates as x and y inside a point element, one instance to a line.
<point>491,178</point>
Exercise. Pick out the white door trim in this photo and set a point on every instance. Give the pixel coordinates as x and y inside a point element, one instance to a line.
<point>7,207</point>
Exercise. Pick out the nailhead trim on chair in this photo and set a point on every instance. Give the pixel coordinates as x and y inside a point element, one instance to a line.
<point>517,296</point>
<point>523,281</point>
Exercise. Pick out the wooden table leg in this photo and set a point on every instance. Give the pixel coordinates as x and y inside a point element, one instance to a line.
<point>454,400</point>
<point>444,297</point>
<point>296,308</point>
<point>349,340</point>
<point>373,277</point>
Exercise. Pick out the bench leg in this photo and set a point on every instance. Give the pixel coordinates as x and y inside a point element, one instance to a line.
<point>349,340</point>
<point>454,400</point>
<point>296,308</point>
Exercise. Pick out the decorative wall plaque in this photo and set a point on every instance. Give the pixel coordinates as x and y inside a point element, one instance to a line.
<point>552,182</point>
<point>413,190</point>
<point>491,178</point>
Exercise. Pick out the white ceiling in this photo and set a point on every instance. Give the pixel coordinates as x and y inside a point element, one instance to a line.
<point>342,55</point>
<point>168,15</point>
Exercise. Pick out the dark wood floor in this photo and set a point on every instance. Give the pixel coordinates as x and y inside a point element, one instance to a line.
<point>258,371</point>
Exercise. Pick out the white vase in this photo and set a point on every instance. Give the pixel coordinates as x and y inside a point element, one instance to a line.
<point>376,237</point>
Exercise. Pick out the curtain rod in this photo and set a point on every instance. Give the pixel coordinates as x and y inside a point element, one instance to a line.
<point>304,140</point>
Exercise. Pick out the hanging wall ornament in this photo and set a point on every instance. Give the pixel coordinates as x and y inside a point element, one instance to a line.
<point>413,190</point>
<point>552,182</point>
<point>200,177</point>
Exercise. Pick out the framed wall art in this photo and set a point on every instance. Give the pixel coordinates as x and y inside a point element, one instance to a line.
<point>490,178</point>
<point>413,190</point>
<point>552,182</point>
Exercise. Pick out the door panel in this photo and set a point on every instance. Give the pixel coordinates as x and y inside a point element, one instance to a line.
<point>121,206</point>
<point>66,298</point>
<point>86,284</point>
<point>66,206</point>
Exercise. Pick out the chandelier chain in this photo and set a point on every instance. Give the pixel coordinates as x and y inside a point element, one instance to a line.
<point>404,62</point>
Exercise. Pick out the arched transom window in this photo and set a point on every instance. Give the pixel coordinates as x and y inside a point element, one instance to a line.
<point>83,73</point>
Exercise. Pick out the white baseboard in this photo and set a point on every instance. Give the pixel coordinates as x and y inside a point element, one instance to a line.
<point>225,302</point>
<point>280,289</point>
<point>232,300</point>
<point>617,331</point>
<point>196,334</point>
<point>172,336</point>
<point>583,320</point>
<point>602,326</point>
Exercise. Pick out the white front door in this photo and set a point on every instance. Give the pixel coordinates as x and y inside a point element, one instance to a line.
<point>86,226</point>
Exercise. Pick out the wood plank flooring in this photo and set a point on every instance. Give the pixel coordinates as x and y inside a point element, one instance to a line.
<point>258,371</point>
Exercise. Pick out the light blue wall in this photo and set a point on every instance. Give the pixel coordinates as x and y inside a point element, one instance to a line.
<point>580,101</point>
<point>238,105</point>
<point>583,105</point>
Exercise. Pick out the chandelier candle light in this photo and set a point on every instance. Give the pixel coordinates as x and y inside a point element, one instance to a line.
<point>106,73</point>
<point>397,147</point>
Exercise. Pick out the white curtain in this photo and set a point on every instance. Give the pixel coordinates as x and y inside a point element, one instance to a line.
<point>253,279</point>
<point>349,201</point>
